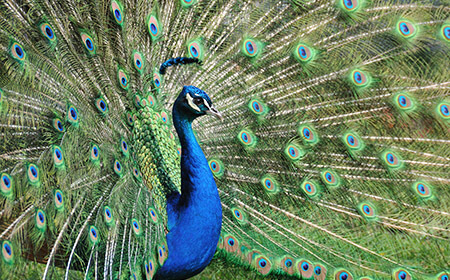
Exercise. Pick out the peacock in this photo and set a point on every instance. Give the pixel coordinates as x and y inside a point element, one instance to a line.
<point>292,139</point>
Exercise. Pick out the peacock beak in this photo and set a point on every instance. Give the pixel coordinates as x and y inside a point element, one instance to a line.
<point>213,111</point>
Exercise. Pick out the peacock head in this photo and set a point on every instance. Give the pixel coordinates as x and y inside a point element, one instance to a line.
<point>194,102</point>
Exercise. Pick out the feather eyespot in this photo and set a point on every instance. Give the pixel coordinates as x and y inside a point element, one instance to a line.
<point>156,80</point>
<point>153,215</point>
<point>162,254</point>
<point>231,244</point>
<point>445,32</point>
<point>287,265</point>
<point>138,101</point>
<point>17,52</point>
<point>164,117</point>
<point>258,108</point>
<point>130,119</point>
<point>88,43</point>
<point>342,274</point>
<point>368,211</point>
<point>406,29</point>
<point>303,53</point>
<point>151,265</point>
<point>123,79</point>
<point>95,153</point>
<point>353,142</point>
<point>58,125</point>
<point>247,138</point>
<point>136,227</point>
<point>7,252</point>
<point>107,213</point>
<point>138,61</point>
<point>124,147</point>
<point>93,235</point>
<point>149,269</point>
<point>293,152</point>
<point>108,216</point>
<point>404,102</point>
<point>195,49</point>
<point>423,190</point>
<point>251,48</point>
<point>360,78</point>
<point>263,265</point>
<point>401,274</point>
<point>154,27</point>
<point>47,31</point>
<point>350,5</point>
<point>443,276</point>
<point>58,157</point>
<point>320,272</point>
<point>58,199</point>
<point>443,110</point>
<point>238,215</point>
<point>308,134</point>
<point>187,3</point>
<point>392,160</point>
<point>270,185</point>
<point>330,178</point>
<point>216,167</point>
<point>305,268</point>
<point>310,188</point>
<point>101,105</point>
<point>151,100</point>
<point>6,184</point>
<point>116,9</point>
<point>40,220</point>
<point>118,168</point>
<point>72,115</point>
<point>137,174</point>
<point>33,174</point>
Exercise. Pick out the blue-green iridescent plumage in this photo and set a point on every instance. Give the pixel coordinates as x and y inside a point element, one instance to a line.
<point>332,161</point>
<point>195,216</point>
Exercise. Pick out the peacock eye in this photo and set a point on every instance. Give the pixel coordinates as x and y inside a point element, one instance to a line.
<point>198,101</point>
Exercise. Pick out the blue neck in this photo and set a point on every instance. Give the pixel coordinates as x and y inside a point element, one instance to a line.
<point>195,216</point>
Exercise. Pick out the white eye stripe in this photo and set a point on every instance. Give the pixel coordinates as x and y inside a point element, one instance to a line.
<point>190,101</point>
